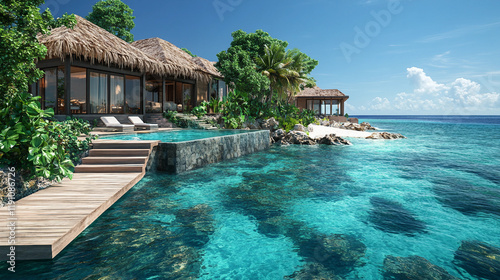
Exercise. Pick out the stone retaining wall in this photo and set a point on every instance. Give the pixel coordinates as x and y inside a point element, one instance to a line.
<point>183,156</point>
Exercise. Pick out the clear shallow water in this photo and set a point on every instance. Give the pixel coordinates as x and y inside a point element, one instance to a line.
<point>175,135</point>
<point>263,216</point>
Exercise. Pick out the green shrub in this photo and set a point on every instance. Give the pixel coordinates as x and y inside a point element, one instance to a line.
<point>200,111</point>
<point>307,117</point>
<point>215,105</point>
<point>37,145</point>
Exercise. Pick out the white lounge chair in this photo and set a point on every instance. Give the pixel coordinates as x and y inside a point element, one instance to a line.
<point>115,125</point>
<point>138,123</point>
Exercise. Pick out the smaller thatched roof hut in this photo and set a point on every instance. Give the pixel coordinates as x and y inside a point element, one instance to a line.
<point>323,101</point>
<point>88,41</point>
<point>168,53</point>
<point>318,92</point>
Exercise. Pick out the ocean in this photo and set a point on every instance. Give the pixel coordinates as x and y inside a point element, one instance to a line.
<point>364,211</point>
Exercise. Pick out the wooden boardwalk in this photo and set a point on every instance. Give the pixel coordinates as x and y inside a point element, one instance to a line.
<point>48,220</point>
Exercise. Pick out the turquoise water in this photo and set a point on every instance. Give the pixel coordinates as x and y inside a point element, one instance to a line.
<point>265,215</point>
<point>175,135</point>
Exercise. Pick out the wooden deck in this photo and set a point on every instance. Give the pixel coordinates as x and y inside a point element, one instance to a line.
<point>48,220</point>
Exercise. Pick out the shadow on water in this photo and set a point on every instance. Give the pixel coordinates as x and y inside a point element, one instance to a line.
<point>466,198</point>
<point>392,217</point>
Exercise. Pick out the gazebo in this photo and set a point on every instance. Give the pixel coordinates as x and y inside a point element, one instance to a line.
<point>327,102</point>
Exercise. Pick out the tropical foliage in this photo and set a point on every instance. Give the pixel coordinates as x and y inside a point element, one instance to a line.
<point>258,64</point>
<point>237,63</point>
<point>265,78</point>
<point>287,71</point>
<point>29,140</point>
<point>115,17</point>
<point>239,108</point>
<point>188,52</point>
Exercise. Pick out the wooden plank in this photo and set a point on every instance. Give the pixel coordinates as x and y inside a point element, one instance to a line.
<point>48,220</point>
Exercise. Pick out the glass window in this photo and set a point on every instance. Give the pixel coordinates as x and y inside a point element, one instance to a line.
<point>154,94</point>
<point>78,91</point>
<point>187,90</point>
<point>213,90</point>
<point>48,89</point>
<point>222,89</point>
<point>326,107</point>
<point>335,107</point>
<point>316,106</point>
<point>98,93</point>
<point>116,94</point>
<point>133,94</point>
<point>61,100</point>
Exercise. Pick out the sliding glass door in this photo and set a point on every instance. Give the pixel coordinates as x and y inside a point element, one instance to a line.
<point>98,93</point>
<point>116,94</point>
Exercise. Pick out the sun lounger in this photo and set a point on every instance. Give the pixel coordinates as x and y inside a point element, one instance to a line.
<point>138,123</point>
<point>113,124</point>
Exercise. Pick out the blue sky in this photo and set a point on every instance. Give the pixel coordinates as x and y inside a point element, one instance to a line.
<point>391,57</point>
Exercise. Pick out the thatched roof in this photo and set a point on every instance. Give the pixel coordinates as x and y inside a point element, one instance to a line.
<point>318,92</point>
<point>88,41</point>
<point>167,52</point>
<point>207,65</point>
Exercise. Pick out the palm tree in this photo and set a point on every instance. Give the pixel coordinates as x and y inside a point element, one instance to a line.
<point>285,70</point>
<point>274,65</point>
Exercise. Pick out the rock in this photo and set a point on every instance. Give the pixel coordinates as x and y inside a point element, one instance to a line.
<point>413,267</point>
<point>385,135</point>
<point>282,143</point>
<point>310,127</point>
<point>353,126</point>
<point>392,217</point>
<point>313,271</point>
<point>333,140</point>
<point>336,124</point>
<point>270,124</point>
<point>197,223</point>
<point>298,137</point>
<point>251,124</point>
<point>324,122</point>
<point>479,259</point>
<point>367,126</point>
<point>337,252</point>
<point>299,127</point>
<point>278,135</point>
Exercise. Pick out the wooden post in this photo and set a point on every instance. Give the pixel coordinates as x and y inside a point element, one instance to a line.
<point>342,107</point>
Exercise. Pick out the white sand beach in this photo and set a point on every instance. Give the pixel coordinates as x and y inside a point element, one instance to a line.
<point>320,131</point>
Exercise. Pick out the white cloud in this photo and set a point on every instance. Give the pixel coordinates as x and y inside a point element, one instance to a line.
<point>463,96</point>
<point>380,104</point>
<point>423,83</point>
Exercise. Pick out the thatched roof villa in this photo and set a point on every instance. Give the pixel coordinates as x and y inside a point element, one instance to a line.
<point>90,72</point>
<point>168,52</point>
<point>328,102</point>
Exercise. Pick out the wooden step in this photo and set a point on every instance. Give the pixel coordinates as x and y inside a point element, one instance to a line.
<point>110,168</point>
<point>118,152</point>
<point>114,160</point>
<point>123,145</point>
